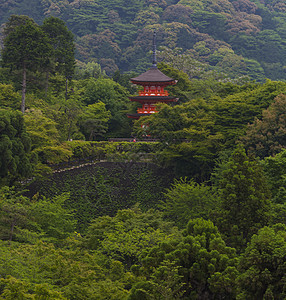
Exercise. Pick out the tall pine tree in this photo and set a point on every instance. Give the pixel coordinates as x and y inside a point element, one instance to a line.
<point>62,42</point>
<point>26,48</point>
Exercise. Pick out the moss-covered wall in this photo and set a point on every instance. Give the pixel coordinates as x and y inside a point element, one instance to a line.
<point>104,187</point>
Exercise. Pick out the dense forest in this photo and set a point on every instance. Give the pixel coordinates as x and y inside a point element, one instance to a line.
<point>222,39</point>
<point>196,207</point>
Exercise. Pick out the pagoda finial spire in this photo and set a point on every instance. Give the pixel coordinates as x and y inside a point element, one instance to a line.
<point>154,50</point>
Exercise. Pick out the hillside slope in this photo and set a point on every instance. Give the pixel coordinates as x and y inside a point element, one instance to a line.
<point>214,38</point>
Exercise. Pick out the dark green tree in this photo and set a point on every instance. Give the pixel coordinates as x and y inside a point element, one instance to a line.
<point>183,85</point>
<point>62,42</point>
<point>245,197</point>
<point>15,21</point>
<point>13,213</point>
<point>15,146</point>
<point>275,171</point>
<point>26,48</point>
<point>267,136</point>
<point>211,23</point>
<point>205,265</point>
<point>263,265</point>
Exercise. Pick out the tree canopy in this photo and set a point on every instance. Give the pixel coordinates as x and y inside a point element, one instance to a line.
<point>187,203</point>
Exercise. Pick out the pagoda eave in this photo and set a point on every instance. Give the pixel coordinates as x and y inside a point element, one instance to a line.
<point>160,83</point>
<point>137,116</point>
<point>153,99</point>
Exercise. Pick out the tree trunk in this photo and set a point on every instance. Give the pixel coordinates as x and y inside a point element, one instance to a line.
<point>24,88</point>
<point>11,232</point>
<point>91,135</point>
<point>69,130</point>
<point>66,88</point>
<point>47,84</point>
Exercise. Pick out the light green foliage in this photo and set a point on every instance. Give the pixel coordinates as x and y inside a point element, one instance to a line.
<point>45,139</point>
<point>53,154</point>
<point>127,246</point>
<point>90,151</point>
<point>52,218</point>
<point>81,149</point>
<point>70,110</point>
<point>57,85</point>
<point>28,220</point>
<point>107,91</point>
<point>206,265</point>
<point>42,130</point>
<point>206,86</point>
<point>14,288</point>
<point>187,200</point>
<point>8,96</point>
<point>94,120</point>
<point>43,271</point>
<point>165,283</point>
<point>263,265</point>
<point>126,235</point>
<point>87,70</point>
<point>235,111</point>
<point>245,197</point>
<point>182,67</point>
<point>72,272</point>
<point>114,96</point>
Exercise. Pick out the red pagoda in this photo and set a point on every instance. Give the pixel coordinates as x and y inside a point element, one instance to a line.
<point>153,82</point>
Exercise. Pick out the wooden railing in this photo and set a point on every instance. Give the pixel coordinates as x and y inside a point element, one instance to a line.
<point>153,93</point>
<point>146,111</point>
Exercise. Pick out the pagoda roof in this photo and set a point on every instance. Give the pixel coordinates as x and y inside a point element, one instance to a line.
<point>153,75</point>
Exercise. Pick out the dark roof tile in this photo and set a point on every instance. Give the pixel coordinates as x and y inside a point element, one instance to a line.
<point>152,75</point>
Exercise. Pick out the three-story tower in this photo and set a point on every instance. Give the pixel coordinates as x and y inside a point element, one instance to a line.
<point>153,82</point>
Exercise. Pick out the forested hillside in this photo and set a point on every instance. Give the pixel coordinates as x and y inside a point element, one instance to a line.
<point>94,205</point>
<point>219,38</point>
